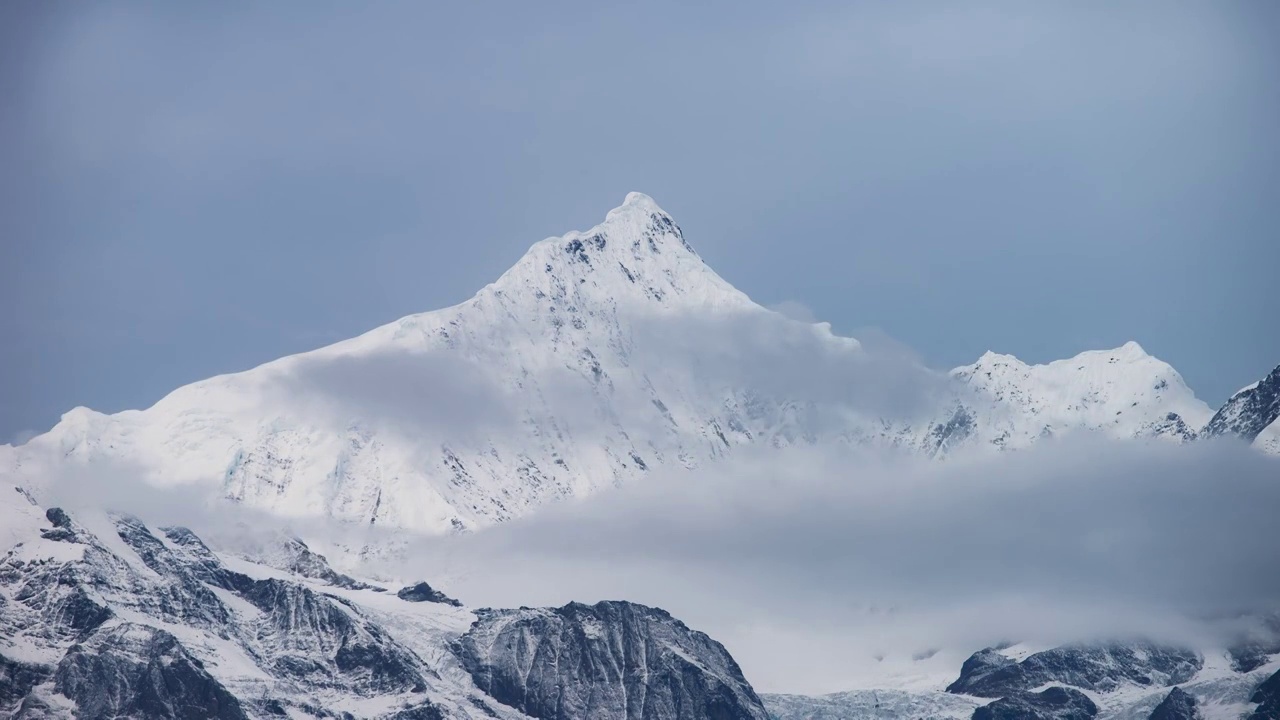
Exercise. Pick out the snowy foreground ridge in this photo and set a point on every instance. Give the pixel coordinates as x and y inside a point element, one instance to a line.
<point>103,617</point>
<point>599,357</point>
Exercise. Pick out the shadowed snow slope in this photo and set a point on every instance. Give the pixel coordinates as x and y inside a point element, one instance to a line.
<point>599,357</point>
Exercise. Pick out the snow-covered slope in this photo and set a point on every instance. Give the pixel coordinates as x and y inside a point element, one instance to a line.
<point>599,357</point>
<point>1124,392</point>
<point>102,617</point>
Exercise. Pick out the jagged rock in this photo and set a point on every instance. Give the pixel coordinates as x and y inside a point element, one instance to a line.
<point>17,679</point>
<point>1055,703</point>
<point>316,636</point>
<point>1247,413</point>
<point>1253,650</point>
<point>1177,705</point>
<point>1100,668</point>
<point>191,552</point>
<point>132,670</point>
<point>63,529</point>
<point>422,592</point>
<point>301,560</point>
<point>604,661</point>
<point>1268,698</point>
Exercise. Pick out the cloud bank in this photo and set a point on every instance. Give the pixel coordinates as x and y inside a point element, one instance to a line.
<point>823,569</point>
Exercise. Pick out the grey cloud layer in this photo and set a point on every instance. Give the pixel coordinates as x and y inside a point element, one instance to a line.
<point>851,556</point>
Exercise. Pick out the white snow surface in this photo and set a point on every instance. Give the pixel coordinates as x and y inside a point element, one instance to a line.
<point>600,356</point>
<point>1268,441</point>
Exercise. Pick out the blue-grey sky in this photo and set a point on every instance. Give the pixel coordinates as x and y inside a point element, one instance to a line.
<point>188,189</point>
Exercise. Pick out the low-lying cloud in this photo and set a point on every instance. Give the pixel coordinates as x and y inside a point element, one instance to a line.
<point>452,397</point>
<point>822,569</point>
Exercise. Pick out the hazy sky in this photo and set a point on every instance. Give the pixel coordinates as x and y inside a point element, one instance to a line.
<point>189,189</point>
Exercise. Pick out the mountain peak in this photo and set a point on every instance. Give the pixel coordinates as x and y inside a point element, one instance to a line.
<point>637,256</point>
<point>638,200</point>
<point>1131,349</point>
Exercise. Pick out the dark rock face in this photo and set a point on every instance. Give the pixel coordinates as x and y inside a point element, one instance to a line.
<point>316,637</point>
<point>1100,668</point>
<point>1252,652</point>
<point>611,660</point>
<point>423,592</point>
<point>198,560</point>
<point>17,679</point>
<point>1174,426</point>
<point>1055,703</point>
<point>1248,412</point>
<point>155,625</point>
<point>137,671</point>
<point>303,561</point>
<point>954,432</point>
<point>1268,698</point>
<point>305,641</point>
<point>1177,705</point>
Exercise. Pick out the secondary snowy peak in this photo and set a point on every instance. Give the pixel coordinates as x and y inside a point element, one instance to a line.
<point>1123,392</point>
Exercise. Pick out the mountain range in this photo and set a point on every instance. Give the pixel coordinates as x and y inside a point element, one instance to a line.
<point>600,357</point>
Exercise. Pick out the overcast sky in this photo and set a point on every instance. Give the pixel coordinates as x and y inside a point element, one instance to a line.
<point>190,189</point>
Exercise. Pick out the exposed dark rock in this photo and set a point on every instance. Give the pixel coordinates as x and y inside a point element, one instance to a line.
<point>34,707</point>
<point>137,671</point>
<point>201,563</point>
<point>63,604</point>
<point>1249,411</point>
<point>63,530</point>
<point>303,561</point>
<point>58,517</point>
<point>181,593</point>
<point>306,628</point>
<point>1177,705</point>
<point>954,432</point>
<point>1254,648</point>
<point>608,660</point>
<point>423,592</point>
<point>17,679</point>
<point>1173,426</point>
<point>1268,698</point>
<point>1100,668</point>
<point>1055,703</point>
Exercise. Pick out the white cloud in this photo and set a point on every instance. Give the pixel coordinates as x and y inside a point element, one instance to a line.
<point>795,310</point>
<point>823,569</point>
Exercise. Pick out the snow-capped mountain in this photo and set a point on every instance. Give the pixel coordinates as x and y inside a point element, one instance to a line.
<point>599,357</point>
<point>100,616</point>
